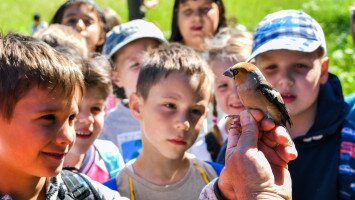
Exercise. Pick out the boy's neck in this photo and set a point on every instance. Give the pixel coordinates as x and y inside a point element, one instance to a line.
<point>303,122</point>
<point>160,170</point>
<point>22,187</point>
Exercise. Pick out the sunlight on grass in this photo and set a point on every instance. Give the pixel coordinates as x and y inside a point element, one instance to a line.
<point>333,15</point>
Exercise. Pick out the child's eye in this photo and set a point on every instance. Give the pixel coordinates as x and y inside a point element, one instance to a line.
<point>49,117</point>
<point>88,22</point>
<point>300,66</point>
<point>170,105</point>
<point>222,86</point>
<point>71,22</point>
<point>72,117</point>
<point>96,110</point>
<point>197,112</point>
<point>204,11</point>
<point>270,69</point>
<point>187,12</point>
<point>135,66</point>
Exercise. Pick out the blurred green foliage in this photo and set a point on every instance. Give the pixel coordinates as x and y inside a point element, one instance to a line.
<point>333,15</point>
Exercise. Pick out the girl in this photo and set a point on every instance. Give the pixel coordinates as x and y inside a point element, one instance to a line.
<point>227,48</point>
<point>87,18</point>
<point>194,21</point>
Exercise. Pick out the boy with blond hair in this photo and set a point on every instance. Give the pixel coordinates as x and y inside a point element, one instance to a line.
<point>290,50</point>
<point>40,91</point>
<point>171,103</point>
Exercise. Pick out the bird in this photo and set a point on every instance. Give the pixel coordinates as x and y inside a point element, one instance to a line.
<point>255,92</point>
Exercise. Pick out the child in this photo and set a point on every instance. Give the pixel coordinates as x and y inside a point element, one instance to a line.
<point>99,159</point>
<point>87,18</point>
<point>192,31</point>
<point>39,103</point>
<point>60,36</point>
<point>171,103</point>
<point>289,48</point>
<point>228,47</point>
<point>38,24</point>
<point>125,45</point>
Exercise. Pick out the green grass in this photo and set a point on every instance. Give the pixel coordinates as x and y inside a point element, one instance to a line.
<point>333,15</point>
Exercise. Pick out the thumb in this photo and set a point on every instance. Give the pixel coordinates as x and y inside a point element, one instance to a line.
<point>249,137</point>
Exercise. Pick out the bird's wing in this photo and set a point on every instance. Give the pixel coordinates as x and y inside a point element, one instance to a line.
<point>276,100</point>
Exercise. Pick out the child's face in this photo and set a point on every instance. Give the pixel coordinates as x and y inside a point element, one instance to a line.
<point>84,19</point>
<point>225,88</point>
<point>197,20</point>
<point>296,75</point>
<point>39,134</point>
<point>128,63</point>
<point>172,115</point>
<point>90,120</point>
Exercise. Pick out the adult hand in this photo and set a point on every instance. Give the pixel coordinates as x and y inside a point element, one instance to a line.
<point>256,160</point>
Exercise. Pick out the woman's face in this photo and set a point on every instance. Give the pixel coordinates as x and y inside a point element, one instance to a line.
<point>197,20</point>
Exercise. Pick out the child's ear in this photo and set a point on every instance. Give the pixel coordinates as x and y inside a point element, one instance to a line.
<point>134,103</point>
<point>324,70</point>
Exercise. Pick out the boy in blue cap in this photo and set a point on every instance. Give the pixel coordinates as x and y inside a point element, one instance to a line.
<point>290,50</point>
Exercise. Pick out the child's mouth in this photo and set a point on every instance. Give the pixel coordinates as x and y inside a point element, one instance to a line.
<point>196,28</point>
<point>288,98</point>
<point>57,156</point>
<point>83,135</point>
<point>177,141</point>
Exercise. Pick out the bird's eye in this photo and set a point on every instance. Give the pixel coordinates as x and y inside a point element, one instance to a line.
<point>235,72</point>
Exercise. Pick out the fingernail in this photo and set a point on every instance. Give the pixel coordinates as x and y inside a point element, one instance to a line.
<point>292,152</point>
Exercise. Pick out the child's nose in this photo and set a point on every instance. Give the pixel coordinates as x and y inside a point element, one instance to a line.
<point>66,135</point>
<point>182,124</point>
<point>85,118</point>
<point>80,25</point>
<point>286,79</point>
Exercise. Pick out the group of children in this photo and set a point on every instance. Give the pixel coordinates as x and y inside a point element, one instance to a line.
<point>54,96</point>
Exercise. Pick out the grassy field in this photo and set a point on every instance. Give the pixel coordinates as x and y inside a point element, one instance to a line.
<point>333,15</point>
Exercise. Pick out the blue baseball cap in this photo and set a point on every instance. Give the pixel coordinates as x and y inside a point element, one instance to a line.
<point>128,32</point>
<point>290,30</point>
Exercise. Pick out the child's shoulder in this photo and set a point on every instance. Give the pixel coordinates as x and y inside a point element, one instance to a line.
<point>71,185</point>
<point>110,154</point>
<point>205,168</point>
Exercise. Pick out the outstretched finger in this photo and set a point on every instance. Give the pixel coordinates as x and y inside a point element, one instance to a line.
<point>250,132</point>
<point>233,138</point>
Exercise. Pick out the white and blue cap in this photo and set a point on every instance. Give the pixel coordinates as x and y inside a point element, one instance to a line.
<point>128,32</point>
<point>290,30</point>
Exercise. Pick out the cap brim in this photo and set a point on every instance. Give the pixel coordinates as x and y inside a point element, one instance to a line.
<point>136,36</point>
<point>293,44</point>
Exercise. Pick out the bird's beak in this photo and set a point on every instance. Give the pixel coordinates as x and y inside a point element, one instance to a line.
<point>229,73</point>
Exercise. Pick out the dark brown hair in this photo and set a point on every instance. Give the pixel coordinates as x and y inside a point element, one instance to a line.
<point>26,62</point>
<point>58,16</point>
<point>96,71</point>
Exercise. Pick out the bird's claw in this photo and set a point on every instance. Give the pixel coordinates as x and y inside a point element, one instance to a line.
<point>235,122</point>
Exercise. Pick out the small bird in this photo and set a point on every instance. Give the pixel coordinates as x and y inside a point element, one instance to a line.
<point>255,92</point>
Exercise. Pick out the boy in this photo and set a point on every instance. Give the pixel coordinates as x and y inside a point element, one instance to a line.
<point>171,103</point>
<point>99,159</point>
<point>289,48</point>
<point>40,91</point>
<point>125,45</point>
